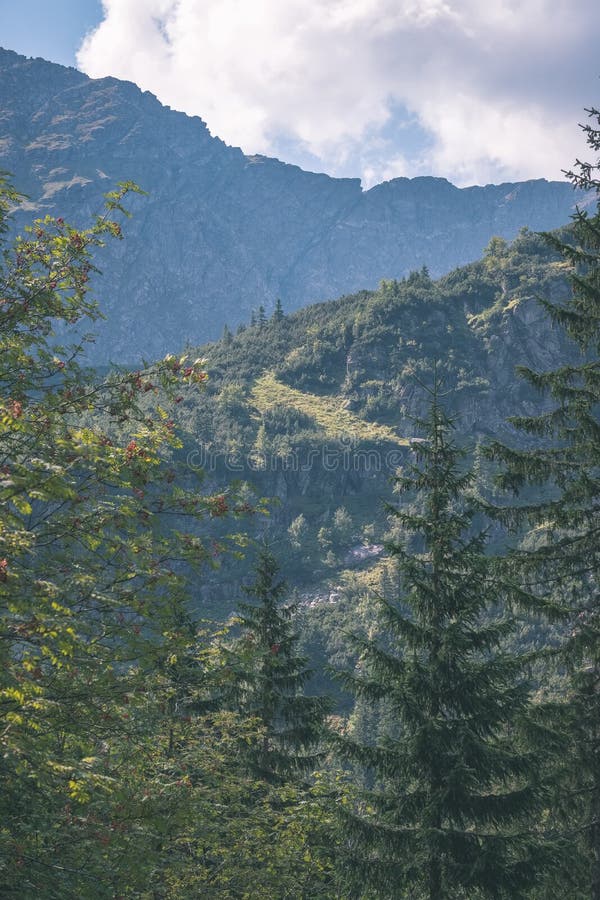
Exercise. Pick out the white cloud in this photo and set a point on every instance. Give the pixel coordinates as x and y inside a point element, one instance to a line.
<point>496,87</point>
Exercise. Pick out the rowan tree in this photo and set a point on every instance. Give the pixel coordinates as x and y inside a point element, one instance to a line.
<point>97,537</point>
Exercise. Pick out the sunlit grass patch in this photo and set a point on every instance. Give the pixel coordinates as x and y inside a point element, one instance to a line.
<point>327,412</point>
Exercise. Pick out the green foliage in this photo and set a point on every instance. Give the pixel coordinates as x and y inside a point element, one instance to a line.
<point>453,786</point>
<point>193,820</point>
<point>562,466</point>
<point>98,535</point>
<point>270,676</point>
<point>262,789</point>
<point>278,313</point>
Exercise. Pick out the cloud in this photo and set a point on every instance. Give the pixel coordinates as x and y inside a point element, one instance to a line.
<point>474,92</point>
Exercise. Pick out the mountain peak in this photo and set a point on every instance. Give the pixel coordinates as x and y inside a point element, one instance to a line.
<point>221,233</point>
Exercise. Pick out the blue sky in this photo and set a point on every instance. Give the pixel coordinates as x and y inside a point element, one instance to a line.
<point>52,29</point>
<point>475,92</point>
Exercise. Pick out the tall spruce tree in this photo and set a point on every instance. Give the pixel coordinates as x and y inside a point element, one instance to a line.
<point>452,786</point>
<point>261,317</point>
<point>565,459</point>
<point>278,313</point>
<point>270,677</point>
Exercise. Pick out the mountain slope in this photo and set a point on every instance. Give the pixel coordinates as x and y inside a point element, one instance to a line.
<point>318,410</point>
<point>221,232</point>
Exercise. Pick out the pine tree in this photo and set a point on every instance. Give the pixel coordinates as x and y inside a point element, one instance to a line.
<point>453,786</point>
<point>270,677</point>
<point>569,433</point>
<point>261,318</point>
<point>565,461</point>
<point>278,314</point>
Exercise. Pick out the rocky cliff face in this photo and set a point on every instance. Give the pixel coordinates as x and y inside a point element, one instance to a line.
<point>220,232</point>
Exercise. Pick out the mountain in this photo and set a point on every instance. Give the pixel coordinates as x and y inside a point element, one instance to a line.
<point>318,410</point>
<point>221,232</point>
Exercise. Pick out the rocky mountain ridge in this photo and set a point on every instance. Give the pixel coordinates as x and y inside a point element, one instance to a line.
<point>221,232</point>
